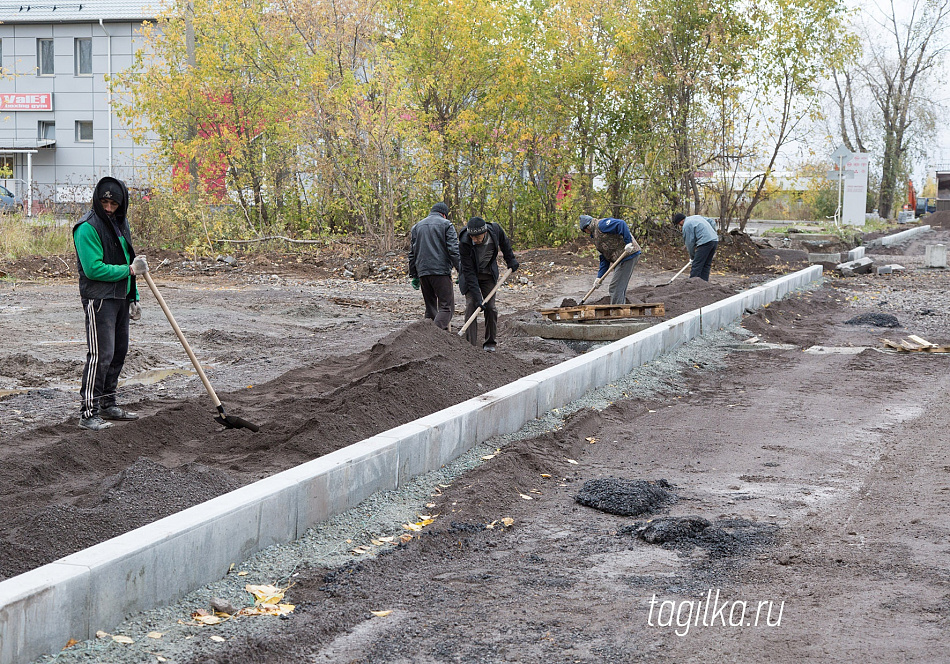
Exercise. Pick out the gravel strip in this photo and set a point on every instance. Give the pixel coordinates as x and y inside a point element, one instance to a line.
<point>331,543</point>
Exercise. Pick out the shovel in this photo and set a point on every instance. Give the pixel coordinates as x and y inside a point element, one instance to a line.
<point>471,319</point>
<point>675,275</point>
<point>627,250</point>
<point>228,421</point>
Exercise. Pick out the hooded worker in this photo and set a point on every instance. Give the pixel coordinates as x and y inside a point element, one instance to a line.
<point>107,267</point>
<point>612,237</point>
<point>479,243</point>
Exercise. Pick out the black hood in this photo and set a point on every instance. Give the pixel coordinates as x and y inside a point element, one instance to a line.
<point>107,184</point>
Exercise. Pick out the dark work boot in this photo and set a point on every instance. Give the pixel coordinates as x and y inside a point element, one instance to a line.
<point>117,413</point>
<point>94,423</point>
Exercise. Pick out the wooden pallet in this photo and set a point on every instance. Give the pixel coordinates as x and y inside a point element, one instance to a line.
<point>606,312</point>
<point>914,344</point>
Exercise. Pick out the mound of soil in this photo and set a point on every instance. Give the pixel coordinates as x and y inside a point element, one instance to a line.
<point>875,319</point>
<point>65,483</point>
<point>938,220</point>
<point>625,497</point>
<point>795,320</point>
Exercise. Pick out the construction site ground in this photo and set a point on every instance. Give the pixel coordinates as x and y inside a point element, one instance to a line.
<point>823,475</point>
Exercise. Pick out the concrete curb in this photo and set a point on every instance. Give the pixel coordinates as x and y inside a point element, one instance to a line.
<point>898,238</point>
<point>153,565</point>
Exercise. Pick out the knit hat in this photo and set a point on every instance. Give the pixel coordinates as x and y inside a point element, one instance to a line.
<point>111,191</point>
<point>440,208</point>
<point>477,226</point>
<point>585,221</point>
<point>678,217</point>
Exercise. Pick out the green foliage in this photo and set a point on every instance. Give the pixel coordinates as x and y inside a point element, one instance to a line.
<point>311,118</point>
<point>39,236</point>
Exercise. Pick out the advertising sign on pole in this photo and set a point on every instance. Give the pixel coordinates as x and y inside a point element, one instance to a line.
<point>854,204</point>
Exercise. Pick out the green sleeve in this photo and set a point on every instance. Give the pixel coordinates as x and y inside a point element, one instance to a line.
<point>89,250</point>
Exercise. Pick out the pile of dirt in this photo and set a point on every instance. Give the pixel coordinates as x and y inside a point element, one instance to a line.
<point>625,497</point>
<point>875,320</point>
<point>682,295</point>
<point>726,537</point>
<point>53,473</point>
<point>677,298</point>
<point>796,320</point>
<point>938,220</point>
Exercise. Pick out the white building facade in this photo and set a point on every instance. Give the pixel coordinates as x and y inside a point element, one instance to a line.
<point>59,133</point>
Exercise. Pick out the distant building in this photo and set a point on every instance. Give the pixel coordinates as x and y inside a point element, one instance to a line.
<point>58,130</point>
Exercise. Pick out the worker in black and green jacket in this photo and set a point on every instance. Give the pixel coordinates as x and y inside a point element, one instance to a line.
<point>107,267</point>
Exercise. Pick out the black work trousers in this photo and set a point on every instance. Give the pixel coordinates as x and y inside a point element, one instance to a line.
<point>438,293</point>
<point>107,343</point>
<point>702,260</point>
<point>485,283</point>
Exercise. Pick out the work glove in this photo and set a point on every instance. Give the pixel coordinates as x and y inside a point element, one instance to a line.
<point>135,310</point>
<point>139,265</point>
<point>514,266</point>
<point>414,282</point>
<point>629,248</point>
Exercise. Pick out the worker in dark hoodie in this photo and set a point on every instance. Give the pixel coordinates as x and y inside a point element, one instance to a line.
<point>107,269</point>
<point>479,243</point>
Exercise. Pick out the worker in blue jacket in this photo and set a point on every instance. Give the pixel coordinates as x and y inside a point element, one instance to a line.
<point>611,237</point>
<point>701,240</point>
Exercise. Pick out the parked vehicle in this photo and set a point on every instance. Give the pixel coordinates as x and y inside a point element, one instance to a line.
<point>925,206</point>
<point>9,202</point>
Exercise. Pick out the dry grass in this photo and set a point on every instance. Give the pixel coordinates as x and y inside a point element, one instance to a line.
<point>40,236</point>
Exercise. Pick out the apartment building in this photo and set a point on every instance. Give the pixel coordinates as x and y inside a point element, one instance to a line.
<point>58,130</point>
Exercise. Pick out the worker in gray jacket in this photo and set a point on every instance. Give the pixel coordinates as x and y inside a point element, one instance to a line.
<point>701,240</point>
<point>433,252</point>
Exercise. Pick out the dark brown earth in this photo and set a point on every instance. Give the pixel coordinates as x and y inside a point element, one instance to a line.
<point>814,484</point>
<point>823,477</point>
<point>65,489</point>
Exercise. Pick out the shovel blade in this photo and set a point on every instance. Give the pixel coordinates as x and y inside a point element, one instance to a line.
<point>234,422</point>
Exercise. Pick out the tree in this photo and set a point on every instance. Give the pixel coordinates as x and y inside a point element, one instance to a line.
<point>901,57</point>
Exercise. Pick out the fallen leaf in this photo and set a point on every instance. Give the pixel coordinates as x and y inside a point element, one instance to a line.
<point>545,475</point>
<point>101,635</point>
<point>411,526</point>
<point>208,620</point>
<point>118,638</point>
<point>572,461</point>
<point>487,457</point>
<point>265,594</point>
<point>70,643</point>
<point>381,614</point>
<point>386,539</point>
<point>508,521</point>
<point>242,573</point>
<point>160,658</point>
<point>155,635</point>
<point>526,497</point>
<point>491,526</point>
<point>591,440</point>
<point>405,537</point>
<point>219,639</point>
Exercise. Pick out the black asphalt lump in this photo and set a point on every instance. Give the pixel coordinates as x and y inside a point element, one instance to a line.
<point>877,320</point>
<point>625,497</point>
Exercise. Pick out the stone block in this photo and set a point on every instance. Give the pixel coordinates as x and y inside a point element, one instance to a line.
<point>856,253</point>
<point>851,268</point>
<point>824,258</point>
<point>935,255</point>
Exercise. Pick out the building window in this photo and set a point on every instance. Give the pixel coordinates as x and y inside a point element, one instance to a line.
<point>84,57</point>
<point>46,130</point>
<point>44,57</point>
<point>83,131</point>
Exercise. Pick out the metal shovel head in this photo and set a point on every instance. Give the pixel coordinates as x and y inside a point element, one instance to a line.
<point>234,422</point>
